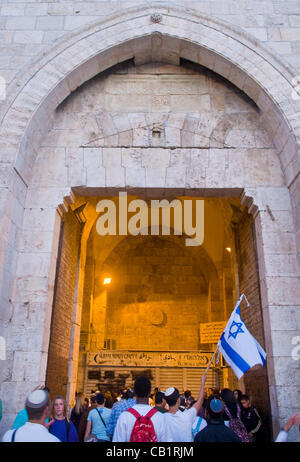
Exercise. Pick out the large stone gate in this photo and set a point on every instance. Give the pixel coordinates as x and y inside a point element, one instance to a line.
<point>159,101</point>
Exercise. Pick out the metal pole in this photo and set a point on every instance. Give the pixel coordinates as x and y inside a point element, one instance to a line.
<point>211,360</point>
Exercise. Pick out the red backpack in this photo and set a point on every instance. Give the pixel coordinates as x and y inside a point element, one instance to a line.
<point>143,429</point>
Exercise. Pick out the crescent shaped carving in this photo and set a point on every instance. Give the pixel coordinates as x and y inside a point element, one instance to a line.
<point>161,323</point>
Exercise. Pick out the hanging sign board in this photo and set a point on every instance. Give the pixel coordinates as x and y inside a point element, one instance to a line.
<point>210,332</point>
<point>149,358</point>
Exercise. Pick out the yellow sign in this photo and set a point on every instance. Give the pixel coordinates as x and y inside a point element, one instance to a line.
<point>149,358</point>
<point>210,332</point>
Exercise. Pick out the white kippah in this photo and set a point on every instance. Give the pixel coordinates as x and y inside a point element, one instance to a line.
<point>37,399</point>
<point>169,391</point>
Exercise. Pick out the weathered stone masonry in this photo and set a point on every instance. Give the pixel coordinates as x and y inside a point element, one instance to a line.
<point>236,42</point>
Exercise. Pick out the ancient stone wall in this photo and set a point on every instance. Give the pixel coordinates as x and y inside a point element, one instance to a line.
<point>28,28</point>
<point>47,51</point>
<point>159,298</point>
<point>255,380</point>
<point>63,306</point>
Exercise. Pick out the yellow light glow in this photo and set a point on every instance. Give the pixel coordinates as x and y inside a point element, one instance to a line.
<point>107,281</point>
<point>228,249</point>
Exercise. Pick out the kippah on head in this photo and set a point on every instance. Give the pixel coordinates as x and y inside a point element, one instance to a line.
<point>172,395</point>
<point>216,406</point>
<point>37,399</point>
<point>169,391</point>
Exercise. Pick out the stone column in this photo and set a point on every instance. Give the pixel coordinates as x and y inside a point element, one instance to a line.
<point>280,293</point>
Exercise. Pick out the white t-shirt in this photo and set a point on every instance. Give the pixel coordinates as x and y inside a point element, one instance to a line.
<point>180,425</point>
<point>31,433</point>
<point>126,421</point>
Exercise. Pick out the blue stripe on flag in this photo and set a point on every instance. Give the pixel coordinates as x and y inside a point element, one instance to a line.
<point>234,356</point>
<point>263,359</point>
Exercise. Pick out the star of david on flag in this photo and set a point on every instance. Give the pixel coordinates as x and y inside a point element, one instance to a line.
<point>238,347</point>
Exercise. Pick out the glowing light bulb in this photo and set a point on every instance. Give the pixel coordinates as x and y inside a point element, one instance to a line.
<point>107,281</point>
<point>228,249</point>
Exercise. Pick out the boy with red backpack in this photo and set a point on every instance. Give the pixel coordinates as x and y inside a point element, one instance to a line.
<point>141,423</point>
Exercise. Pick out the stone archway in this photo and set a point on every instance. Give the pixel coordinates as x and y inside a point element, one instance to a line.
<point>32,101</point>
<point>218,308</point>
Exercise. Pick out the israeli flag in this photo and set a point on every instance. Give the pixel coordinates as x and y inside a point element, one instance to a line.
<point>238,347</point>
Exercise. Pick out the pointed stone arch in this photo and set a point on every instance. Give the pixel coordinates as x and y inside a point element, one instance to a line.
<point>155,32</point>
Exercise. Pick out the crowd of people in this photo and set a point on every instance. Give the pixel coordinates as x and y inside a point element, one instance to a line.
<point>136,415</point>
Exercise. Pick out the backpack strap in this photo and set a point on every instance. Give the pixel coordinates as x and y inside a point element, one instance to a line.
<point>101,417</point>
<point>137,415</point>
<point>68,428</point>
<point>13,436</point>
<point>198,424</point>
<point>238,411</point>
<point>151,413</point>
<point>227,411</point>
<point>134,413</point>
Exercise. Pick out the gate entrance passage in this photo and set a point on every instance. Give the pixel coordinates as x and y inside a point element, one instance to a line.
<point>151,304</point>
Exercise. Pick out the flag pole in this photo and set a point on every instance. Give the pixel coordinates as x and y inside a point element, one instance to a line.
<point>243,295</point>
<point>211,360</point>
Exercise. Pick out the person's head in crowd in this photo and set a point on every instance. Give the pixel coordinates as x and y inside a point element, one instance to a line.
<point>100,399</point>
<point>59,408</point>
<point>187,394</point>
<point>214,407</point>
<point>160,399</point>
<point>130,393</point>
<point>107,395</point>
<point>245,401</point>
<point>237,394</point>
<point>79,403</point>
<point>37,406</point>
<point>172,397</point>
<point>109,403</point>
<point>189,402</point>
<point>182,401</point>
<point>142,387</point>
<point>93,399</point>
<point>227,395</point>
<point>124,394</point>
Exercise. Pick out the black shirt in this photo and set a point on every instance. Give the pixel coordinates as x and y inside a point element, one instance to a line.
<point>251,419</point>
<point>216,431</point>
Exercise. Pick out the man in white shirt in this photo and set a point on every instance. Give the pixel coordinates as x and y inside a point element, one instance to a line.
<point>126,421</point>
<point>37,407</point>
<point>180,423</point>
